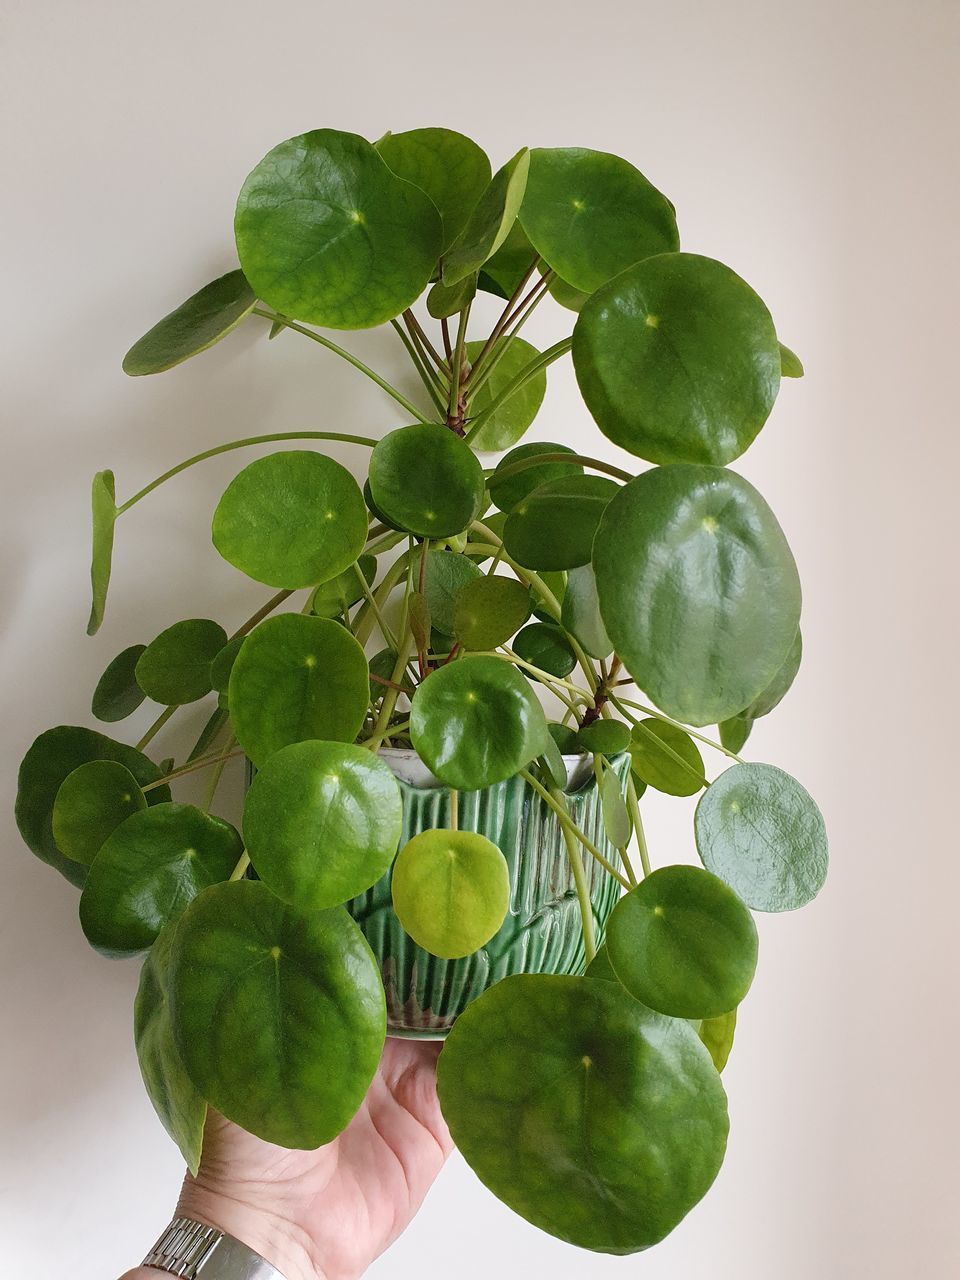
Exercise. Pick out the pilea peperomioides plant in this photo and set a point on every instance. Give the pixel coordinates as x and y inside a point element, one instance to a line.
<point>420,844</point>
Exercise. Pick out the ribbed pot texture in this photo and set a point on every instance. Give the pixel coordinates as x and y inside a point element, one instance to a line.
<point>542,932</point>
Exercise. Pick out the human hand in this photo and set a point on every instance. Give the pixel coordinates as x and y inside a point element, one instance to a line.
<point>327,1214</point>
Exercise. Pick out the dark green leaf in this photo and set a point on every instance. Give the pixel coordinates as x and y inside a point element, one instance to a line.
<point>508,492</point>
<point>508,423</point>
<point>278,1015</point>
<point>342,592</point>
<point>475,722</point>
<point>222,664</point>
<point>591,215</point>
<point>666,758</point>
<point>503,274</point>
<point>554,526</point>
<point>175,668</point>
<point>735,732</point>
<point>195,325</point>
<point>446,300</point>
<point>488,611</point>
<point>760,831</point>
<point>592,1117</point>
<point>698,589</point>
<point>104,504</point>
<point>148,870</point>
<point>779,686</point>
<point>381,664</point>
<point>90,804</point>
<point>604,737</point>
<point>580,612</point>
<point>322,822</point>
<point>445,575</point>
<point>683,943</point>
<point>292,519</point>
<point>600,966</point>
<point>551,764</point>
<point>452,170</point>
<point>677,360</point>
<point>117,694</point>
<point>296,678</point>
<point>210,731</point>
<point>51,758</point>
<point>426,480</point>
<point>565,737</point>
<point>327,233</point>
<point>545,646</point>
<point>490,221</point>
<point>451,890</point>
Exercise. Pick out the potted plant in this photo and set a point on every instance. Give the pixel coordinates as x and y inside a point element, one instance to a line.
<point>447,752</point>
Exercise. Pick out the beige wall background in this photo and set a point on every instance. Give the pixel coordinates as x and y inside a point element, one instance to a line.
<point>812,146</point>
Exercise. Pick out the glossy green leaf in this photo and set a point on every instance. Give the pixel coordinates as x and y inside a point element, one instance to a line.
<point>735,732</point>
<point>508,423</point>
<point>508,491</point>
<point>327,233</point>
<point>104,507</point>
<point>382,664</point>
<point>760,831</point>
<point>604,737</point>
<point>195,325</point>
<point>222,664</point>
<point>551,764</point>
<point>175,668</point>
<point>446,573</point>
<point>426,480</point>
<point>181,1109</point>
<point>554,526</point>
<point>591,215</point>
<point>666,758</point>
<point>790,364</point>
<point>451,890</point>
<point>475,722</point>
<point>504,272</point>
<point>446,300</point>
<point>292,519</point>
<point>677,360</point>
<point>698,589</point>
<point>490,220</point>
<point>717,1034</point>
<point>592,1117</point>
<point>51,758</point>
<point>545,646</point>
<point>322,822</point>
<point>600,966</point>
<point>489,610</point>
<point>342,592</point>
<point>147,871</point>
<point>616,820</point>
<point>683,943</point>
<point>117,694</point>
<point>580,612</point>
<point>279,1015</point>
<point>452,170</point>
<point>297,678</point>
<point>90,804</point>
<point>565,737</point>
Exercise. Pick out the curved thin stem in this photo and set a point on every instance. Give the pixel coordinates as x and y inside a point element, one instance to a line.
<point>155,728</point>
<point>422,369</point>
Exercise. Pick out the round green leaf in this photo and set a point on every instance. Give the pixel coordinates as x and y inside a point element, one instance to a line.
<point>580,612</point>
<point>149,869</point>
<point>508,491</point>
<point>175,668</point>
<point>117,694</point>
<point>545,646</point>
<point>760,831</point>
<point>222,664</point>
<point>677,360</point>
<point>717,1034</point>
<point>554,526</point>
<point>296,678</point>
<point>569,297</point>
<point>50,760</point>
<point>335,597</point>
<point>195,325</point>
<point>489,610</point>
<point>698,589</point>
<point>426,480</point>
<point>279,1015</point>
<point>592,1117</point>
<point>446,573</point>
<point>604,737</point>
<point>591,215</point>
<point>451,890</point>
<point>103,501</point>
<point>565,737</point>
<point>683,943</point>
<point>507,423</point>
<point>90,804</point>
<point>181,1109</point>
<point>666,758</point>
<point>322,822</point>
<point>291,519</point>
<point>490,220</point>
<point>327,233</point>
<point>452,170</point>
<point>475,722</point>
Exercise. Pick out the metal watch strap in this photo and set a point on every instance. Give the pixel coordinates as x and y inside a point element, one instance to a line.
<point>198,1252</point>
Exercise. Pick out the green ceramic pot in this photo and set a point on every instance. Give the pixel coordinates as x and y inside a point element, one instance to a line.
<point>542,931</point>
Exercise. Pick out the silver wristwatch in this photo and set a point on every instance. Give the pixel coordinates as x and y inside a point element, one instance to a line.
<point>193,1250</point>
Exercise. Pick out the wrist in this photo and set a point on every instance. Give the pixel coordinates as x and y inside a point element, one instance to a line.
<point>269,1235</point>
